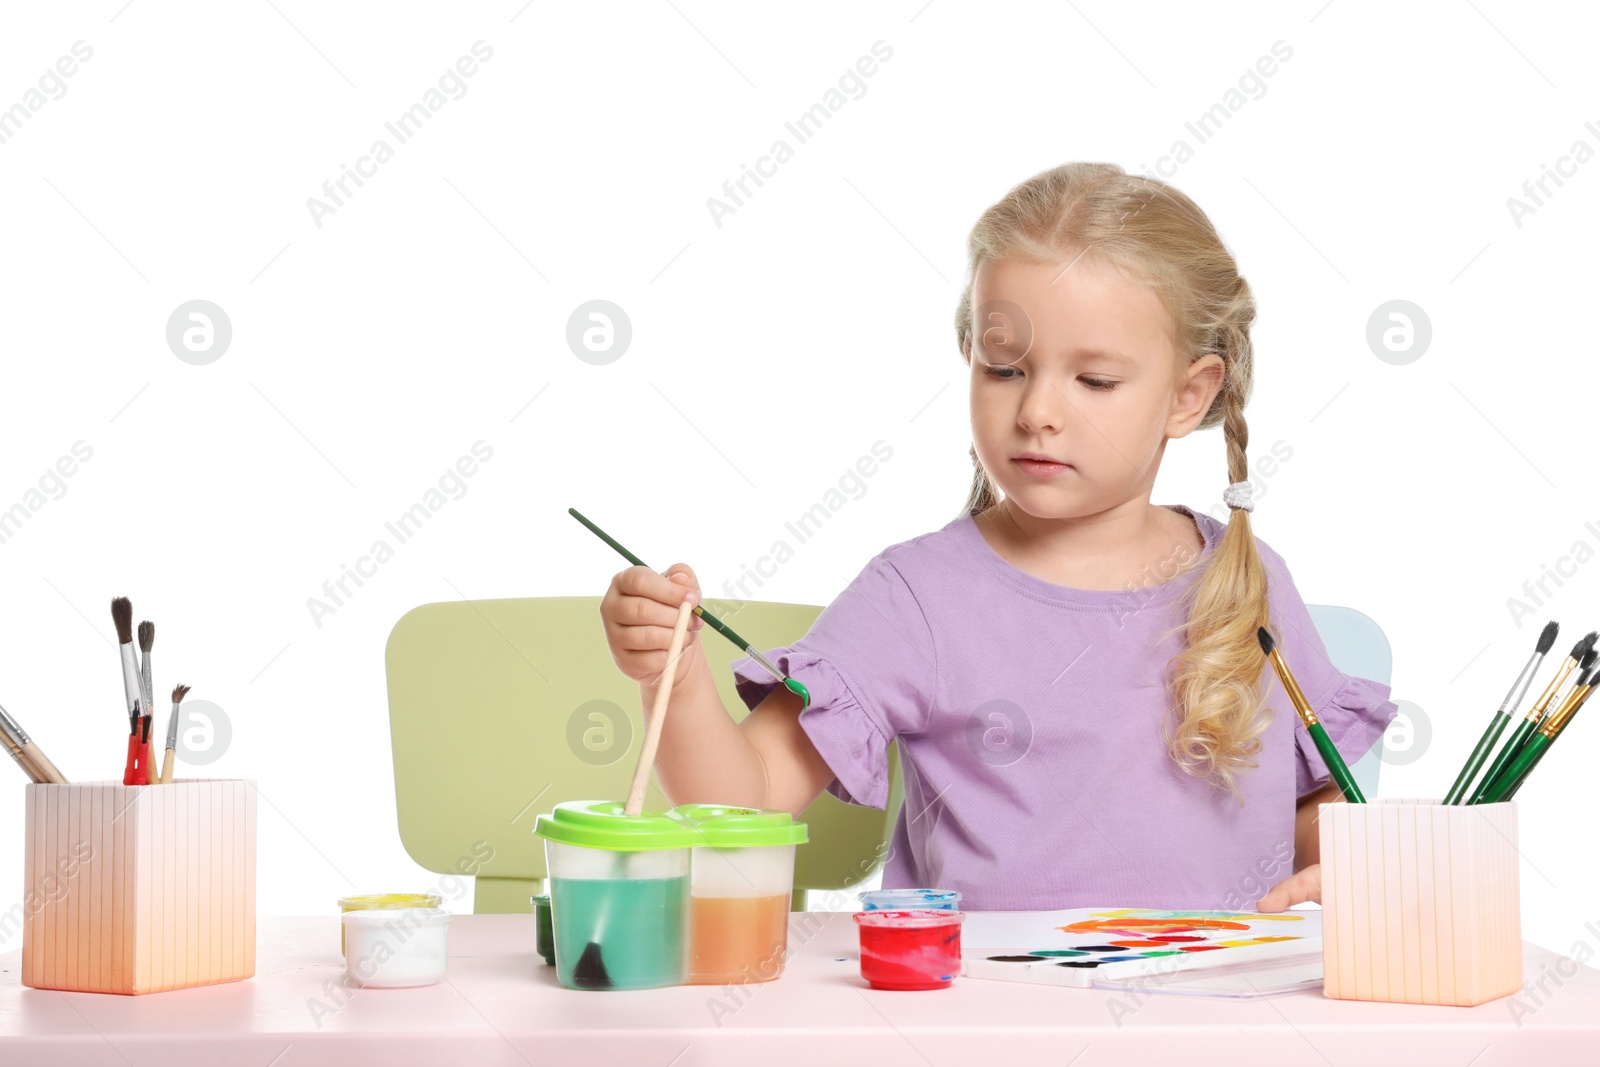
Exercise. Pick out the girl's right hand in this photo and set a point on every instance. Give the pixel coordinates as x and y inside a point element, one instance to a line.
<point>639,611</point>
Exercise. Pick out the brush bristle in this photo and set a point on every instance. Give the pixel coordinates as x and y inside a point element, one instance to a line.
<point>1267,644</point>
<point>1547,637</point>
<point>178,693</point>
<point>147,636</point>
<point>122,615</point>
<point>1588,659</point>
<point>590,970</point>
<point>1585,645</point>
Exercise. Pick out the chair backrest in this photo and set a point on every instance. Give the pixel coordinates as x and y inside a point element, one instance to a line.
<point>1357,646</point>
<point>500,709</point>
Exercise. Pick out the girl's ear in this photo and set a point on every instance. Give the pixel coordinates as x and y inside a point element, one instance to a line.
<point>1197,389</point>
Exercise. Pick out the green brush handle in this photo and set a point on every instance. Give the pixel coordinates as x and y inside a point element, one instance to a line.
<point>1519,783</point>
<point>1508,781</point>
<point>1518,738</point>
<point>1479,754</point>
<point>711,620</point>
<point>1336,764</point>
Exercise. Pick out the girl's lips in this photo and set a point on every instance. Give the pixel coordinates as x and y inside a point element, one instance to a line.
<point>1041,468</point>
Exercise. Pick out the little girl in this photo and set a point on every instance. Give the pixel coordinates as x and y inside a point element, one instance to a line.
<point>1072,673</point>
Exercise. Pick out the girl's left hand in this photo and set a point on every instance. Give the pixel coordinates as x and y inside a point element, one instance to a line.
<point>1299,887</point>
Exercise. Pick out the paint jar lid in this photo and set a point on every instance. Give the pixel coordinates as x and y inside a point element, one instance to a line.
<point>602,824</point>
<point>912,917</point>
<point>722,826</point>
<point>901,899</point>
<point>389,901</point>
<point>409,917</point>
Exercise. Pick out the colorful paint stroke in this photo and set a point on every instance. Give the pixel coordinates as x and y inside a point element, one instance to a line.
<point>1084,945</point>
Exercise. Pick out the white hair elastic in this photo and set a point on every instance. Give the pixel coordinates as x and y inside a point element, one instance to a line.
<point>1237,495</point>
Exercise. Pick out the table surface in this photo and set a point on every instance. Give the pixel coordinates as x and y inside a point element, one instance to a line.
<point>500,1004</point>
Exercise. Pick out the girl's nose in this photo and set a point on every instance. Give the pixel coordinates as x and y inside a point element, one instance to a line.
<point>1043,408</point>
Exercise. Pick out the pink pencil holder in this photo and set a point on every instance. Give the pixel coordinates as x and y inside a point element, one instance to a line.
<point>1420,901</point>
<point>139,889</point>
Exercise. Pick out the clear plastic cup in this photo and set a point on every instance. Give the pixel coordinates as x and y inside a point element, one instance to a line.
<point>619,895</point>
<point>913,949</point>
<point>910,900</point>
<point>741,884</point>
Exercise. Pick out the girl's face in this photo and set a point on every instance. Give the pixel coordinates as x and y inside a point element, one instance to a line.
<point>1074,363</point>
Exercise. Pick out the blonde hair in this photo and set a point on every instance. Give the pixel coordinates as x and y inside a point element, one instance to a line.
<point>1155,235</point>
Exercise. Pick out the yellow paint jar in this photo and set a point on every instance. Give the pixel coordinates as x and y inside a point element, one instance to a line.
<point>383,902</point>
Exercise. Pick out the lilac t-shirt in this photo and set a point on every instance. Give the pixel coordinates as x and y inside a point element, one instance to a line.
<point>1030,721</point>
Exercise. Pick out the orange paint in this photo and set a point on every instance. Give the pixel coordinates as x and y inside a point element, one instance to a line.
<point>737,939</point>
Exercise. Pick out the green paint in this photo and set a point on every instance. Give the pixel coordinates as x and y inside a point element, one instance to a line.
<point>1057,952</point>
<point>641,923</point>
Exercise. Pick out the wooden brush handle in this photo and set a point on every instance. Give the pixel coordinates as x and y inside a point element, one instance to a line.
<point>42,766</point>
<point>166,768</point>
<point>658,713</point>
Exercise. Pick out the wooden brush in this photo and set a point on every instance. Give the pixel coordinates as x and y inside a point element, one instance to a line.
<point>178,693</point>
<point>658,713</point>
<point>590,971</point>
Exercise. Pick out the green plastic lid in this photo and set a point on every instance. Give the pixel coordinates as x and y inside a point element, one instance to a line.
<point>602,824</point>
<point>722,826</point>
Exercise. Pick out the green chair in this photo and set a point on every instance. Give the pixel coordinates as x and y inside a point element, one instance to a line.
<point>500,709</point>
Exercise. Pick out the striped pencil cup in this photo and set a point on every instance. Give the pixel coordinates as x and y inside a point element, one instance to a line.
<point>139,889</point>
<point>1420,901</point>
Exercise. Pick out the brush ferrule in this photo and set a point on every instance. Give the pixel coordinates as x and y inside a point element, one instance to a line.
<point>1536,712</point>
<point>1519,688</point>
<point>1557,720</point>
<point>131,687</point>
<point>13,730</point>
<point>1297,696</point>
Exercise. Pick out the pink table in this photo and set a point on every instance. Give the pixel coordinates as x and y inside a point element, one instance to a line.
<point>501,1005</point>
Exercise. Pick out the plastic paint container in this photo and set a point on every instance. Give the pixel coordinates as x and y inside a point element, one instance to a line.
<point>912,949</point>
<point>394,948</point>
<point>742,879</point>
<point>910,900</point>
<point>546,938</point>
<point>384,901</point>
<point>619,895</point>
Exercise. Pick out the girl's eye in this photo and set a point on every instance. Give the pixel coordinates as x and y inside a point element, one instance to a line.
<point>1006,374</point>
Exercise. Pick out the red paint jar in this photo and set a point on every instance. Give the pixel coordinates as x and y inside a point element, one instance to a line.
<point>914,949</point>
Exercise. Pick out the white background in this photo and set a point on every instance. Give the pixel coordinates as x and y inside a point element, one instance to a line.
<point>768,354</point>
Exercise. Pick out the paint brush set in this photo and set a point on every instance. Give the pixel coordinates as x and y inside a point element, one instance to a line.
<point>1540,727</point>
<point>139,698</point>
<point>135,890</point>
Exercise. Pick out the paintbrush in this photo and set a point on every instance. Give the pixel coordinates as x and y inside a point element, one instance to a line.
<point>29,756</point>
<point>711,620</point>
<point>148,695</point>
<point>1330,755</point>
<point>178,693</point>
<point>122,615</point>
<point>1502,717</point>
<point>1531,721</point>
<point>1506,786</point>
<point>590,971</point>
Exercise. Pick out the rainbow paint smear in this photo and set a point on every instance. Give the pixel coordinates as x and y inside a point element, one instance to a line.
<point>1128,941</point>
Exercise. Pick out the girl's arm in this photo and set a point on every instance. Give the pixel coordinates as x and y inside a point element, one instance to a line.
<point>766,761</point>
<point>1306,881</point>
<point>1307,836</point>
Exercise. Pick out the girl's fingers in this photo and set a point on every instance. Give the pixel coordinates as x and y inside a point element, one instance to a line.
<point>1296,889</point>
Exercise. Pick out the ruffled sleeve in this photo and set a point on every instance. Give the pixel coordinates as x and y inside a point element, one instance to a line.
<point>868,662</point>
<point>1355,716</point>
<point>1354,711</point>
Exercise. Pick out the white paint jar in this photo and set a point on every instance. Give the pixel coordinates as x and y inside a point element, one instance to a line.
<point>396,948</point>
